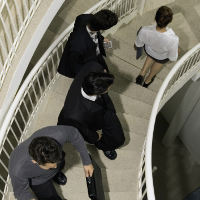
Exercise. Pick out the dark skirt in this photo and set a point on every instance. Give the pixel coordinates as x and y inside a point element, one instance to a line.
<point>156,60</point>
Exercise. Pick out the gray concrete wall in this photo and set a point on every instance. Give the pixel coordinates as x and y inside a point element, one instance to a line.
<point>170,108</point>
<point>184,109</point>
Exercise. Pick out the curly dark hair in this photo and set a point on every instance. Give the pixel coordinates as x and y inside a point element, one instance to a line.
<point>96,83</point>
<point>45,150</point>
<point>164,16</point>
<point>102,20</point>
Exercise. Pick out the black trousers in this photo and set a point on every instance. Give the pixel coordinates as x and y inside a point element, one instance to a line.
<point>113,135</point>
<point>47,191</point>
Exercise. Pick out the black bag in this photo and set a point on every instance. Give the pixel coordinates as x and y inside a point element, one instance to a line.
<point>139,49</point>
<point>94,183</point>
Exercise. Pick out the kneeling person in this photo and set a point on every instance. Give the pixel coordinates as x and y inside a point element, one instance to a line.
<point>39,159</point>
<point>89,108</point>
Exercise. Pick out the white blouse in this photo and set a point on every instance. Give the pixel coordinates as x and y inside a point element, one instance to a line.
<point>158,45</point>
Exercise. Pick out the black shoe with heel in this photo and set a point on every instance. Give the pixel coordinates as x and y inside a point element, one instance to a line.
<point>146,85</point>
<point>139,79</point>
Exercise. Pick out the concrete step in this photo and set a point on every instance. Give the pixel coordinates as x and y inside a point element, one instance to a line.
<point>128,71</point>
<point>128,32</point>
<point>130,106</point>
<point>133,124</point>
<point>119,180</point>
<point>84,195</point>
<point>108,196</point>
<point>113,181</point>
<point>130,89</point>
<point>130,157</point>
<point>120,195</point>
<point>133,141</point>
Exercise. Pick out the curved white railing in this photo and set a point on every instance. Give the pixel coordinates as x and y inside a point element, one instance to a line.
<point>32,92</point>
<point>15,17</point>
<point>184,70</point>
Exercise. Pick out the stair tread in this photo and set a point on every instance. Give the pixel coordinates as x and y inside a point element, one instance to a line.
<point>133,124</point>
<point>113,181</point>
<point>84,195</point>
<point>130,89</point>
<point>130,106</point>
<point>108,196</point>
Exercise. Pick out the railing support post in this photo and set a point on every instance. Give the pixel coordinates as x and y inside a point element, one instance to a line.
<point>141,6</point>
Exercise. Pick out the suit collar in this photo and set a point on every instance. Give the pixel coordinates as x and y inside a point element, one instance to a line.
<point>88,38</point>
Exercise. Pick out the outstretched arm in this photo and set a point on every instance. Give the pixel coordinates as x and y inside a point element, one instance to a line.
<point>75,138</point>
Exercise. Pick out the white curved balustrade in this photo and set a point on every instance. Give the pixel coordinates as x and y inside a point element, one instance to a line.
<point>36,86</point>
<point>15,17</point>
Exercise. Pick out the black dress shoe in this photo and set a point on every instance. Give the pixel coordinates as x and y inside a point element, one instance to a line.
<point>112,154</point>
<point>60,178</point>
<point>147,85</point>
<point>139,79</point>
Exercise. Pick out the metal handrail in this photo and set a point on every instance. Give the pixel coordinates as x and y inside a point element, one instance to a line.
<point>12,32</point>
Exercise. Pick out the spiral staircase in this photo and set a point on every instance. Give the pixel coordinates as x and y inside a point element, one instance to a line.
<point>133,103</point>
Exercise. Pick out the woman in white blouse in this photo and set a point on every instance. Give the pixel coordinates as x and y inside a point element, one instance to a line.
<point>160,44</point>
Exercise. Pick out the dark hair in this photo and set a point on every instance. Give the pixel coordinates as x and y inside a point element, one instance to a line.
<point>96,83</point>
<point>164,16</point>
<point>45,150</point>
<point>102,20</point>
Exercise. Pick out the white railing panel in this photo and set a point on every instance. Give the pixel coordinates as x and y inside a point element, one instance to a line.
<point>12,33</point>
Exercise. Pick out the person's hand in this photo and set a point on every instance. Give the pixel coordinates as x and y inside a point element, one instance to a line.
<point>100,135</point>
<point>106,40</point>
<point>105,70</point>
<point>88,170</point>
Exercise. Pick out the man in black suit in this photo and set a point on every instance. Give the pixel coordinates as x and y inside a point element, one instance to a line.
<point>86,43</point>
<point>89,108</point>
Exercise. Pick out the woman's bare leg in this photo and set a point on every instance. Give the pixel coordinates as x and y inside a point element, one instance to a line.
<point>155,68</point>
<point>146,65</point>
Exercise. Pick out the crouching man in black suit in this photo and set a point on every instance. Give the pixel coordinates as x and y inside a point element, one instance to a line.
<point>89,108</point>
<point>86,43</point>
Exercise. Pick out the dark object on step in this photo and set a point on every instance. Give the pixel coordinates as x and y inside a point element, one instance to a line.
<point>195,195</point>
<point>60,178</point>
<point>139,79</point>
<point>139,49</point>
<point>94,183</point>
<point>147,85</point>
<point>112,154</point>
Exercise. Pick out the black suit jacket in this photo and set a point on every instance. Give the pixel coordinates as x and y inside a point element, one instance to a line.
<point>85,115</point>
<point>79,49</point>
